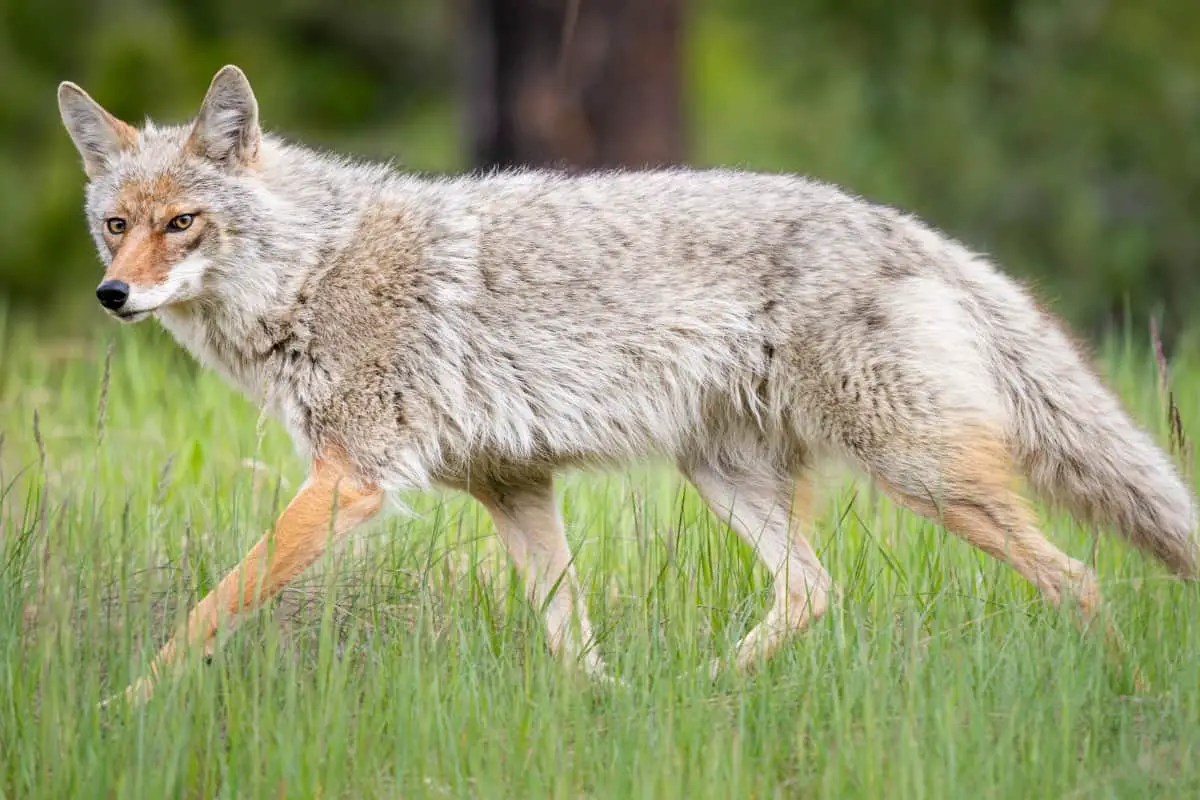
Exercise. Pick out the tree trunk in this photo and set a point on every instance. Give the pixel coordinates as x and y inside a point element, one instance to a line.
<point>580,84</point>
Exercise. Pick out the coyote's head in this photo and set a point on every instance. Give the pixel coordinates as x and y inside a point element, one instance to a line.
<point>164,203</point>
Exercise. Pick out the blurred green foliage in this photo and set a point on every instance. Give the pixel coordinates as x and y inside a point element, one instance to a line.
<point>1060,136</point>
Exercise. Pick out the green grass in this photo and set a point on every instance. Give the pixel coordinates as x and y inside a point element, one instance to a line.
<point>409,664</point>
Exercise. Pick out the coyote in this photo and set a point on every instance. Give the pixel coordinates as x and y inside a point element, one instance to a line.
<point>482,332</point>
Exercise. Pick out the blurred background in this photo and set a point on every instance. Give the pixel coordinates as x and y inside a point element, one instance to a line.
<point>1060,136</point>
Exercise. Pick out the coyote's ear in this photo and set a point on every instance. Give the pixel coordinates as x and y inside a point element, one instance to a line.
<point>226,129</point>
<point>97,134</point>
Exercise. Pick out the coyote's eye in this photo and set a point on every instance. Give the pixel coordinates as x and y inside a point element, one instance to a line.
<point>115,225</point>
<point>181,222</point>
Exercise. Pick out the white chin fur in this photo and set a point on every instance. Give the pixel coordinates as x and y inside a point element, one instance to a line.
<point>182,283</point>
<point>129,319</point>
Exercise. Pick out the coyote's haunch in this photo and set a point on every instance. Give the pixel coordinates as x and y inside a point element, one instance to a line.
<point>483,332</point>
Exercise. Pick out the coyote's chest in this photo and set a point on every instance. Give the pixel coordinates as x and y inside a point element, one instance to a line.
<point>275,371</point>
<point>232,358</point>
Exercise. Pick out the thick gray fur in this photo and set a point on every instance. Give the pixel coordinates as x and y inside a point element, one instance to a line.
<point>440,330</point>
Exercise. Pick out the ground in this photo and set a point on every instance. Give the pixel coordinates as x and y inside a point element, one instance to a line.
<point>410,665</point>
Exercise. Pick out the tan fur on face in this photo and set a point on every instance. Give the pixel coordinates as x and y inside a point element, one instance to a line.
<point>144,198</point>
<point>145,253</point>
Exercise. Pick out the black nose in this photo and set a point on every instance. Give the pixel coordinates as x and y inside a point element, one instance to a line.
<point>112,294</point>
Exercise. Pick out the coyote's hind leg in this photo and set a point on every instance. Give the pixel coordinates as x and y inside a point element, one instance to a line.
<point>973,493</point>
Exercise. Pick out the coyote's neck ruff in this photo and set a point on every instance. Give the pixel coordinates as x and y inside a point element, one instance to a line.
<point>484,332</point>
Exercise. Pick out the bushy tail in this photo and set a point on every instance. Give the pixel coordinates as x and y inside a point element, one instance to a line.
<point>1079,448</point>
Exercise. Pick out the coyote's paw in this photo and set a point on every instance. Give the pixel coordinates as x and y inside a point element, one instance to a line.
<point>136,694</point>
<point>604,678</point>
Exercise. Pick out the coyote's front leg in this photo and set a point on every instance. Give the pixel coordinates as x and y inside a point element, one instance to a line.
<point>331,500</point>
<point>529,522</point>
